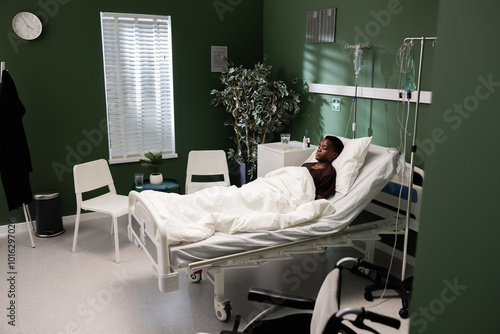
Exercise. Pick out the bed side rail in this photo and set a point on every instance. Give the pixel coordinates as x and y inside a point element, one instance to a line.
<point>367,231</point>
<point>386,202</point>
<point>146,230</point>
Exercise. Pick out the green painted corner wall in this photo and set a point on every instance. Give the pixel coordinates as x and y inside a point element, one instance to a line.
<point>456,275</point>
<point>59,78</point>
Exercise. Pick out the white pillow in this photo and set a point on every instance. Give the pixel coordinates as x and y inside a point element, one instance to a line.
<point>348,162</point>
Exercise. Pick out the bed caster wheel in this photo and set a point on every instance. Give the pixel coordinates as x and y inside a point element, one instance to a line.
<point>223,311</point>
<point>368,296</point>
<point>403,313</point>
<point>195,277</point>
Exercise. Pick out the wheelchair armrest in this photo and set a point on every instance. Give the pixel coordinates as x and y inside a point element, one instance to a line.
<point>281,299</point>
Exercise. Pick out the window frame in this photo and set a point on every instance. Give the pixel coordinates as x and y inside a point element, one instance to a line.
<point>139,105</point>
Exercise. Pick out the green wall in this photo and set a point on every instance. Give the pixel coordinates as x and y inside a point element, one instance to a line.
<point>382,23</point>
<point>59,78</point>
<point>456,278</point>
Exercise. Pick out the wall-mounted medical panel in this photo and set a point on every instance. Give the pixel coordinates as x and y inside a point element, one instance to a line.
<point>369,92</point>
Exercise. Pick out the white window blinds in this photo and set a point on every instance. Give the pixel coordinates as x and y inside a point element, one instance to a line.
<point>139,87</point>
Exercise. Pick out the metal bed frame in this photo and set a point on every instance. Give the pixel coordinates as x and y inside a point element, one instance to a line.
<point>152,239</point>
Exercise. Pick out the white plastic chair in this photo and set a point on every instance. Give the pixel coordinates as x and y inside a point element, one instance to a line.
<point>206,163</point>
<point>94,175</point>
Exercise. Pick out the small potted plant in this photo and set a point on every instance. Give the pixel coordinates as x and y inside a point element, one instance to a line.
<point>153,162</point>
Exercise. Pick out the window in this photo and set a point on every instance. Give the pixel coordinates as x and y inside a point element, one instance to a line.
<point>139,87</point>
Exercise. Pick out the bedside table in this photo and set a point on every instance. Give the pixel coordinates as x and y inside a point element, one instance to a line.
<point>168,186</point>
<point>271,156</point>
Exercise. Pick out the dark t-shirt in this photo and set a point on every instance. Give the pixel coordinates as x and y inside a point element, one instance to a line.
<point>324,179</point>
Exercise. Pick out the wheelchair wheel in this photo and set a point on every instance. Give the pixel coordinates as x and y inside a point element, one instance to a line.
<point>368,296</point>
<point>403,313</point>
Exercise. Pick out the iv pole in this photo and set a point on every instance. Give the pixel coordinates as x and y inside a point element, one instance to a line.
<point>25,207</point>
<point>413,148</point>
<point>404,285</point>
<point>357,67</point>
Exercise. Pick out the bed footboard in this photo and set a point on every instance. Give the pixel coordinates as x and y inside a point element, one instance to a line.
<point>146,231</point>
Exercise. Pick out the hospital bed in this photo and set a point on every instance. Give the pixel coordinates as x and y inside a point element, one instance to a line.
<point>222,252</point>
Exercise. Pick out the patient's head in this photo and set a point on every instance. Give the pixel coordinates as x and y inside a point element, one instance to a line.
<point>329,149</point>
<point>338,146</point>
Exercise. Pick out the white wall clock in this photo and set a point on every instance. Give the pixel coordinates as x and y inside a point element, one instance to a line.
<point>27,25</point>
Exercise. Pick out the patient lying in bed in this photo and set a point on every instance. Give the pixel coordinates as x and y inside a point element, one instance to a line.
<point>322,172</point>
<point>282,199</point>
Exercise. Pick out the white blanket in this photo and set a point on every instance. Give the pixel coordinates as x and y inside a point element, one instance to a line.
<point>281,199</point>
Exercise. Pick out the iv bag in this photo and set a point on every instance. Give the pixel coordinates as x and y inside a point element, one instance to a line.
<point>409,84</point>
<point>357,60</point>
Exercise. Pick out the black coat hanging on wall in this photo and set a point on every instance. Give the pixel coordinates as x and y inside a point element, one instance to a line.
<point>15,160</point>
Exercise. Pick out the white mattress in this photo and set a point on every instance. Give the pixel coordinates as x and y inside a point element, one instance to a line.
<point>379,167</point>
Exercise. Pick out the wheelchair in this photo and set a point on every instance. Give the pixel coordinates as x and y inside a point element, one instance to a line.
<point>326,316</point>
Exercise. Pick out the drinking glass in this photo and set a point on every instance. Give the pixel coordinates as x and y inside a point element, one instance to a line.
<point>285,141</point>
<point>139,180</point>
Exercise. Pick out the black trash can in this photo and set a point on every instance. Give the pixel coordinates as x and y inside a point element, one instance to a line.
<point>48,214</point>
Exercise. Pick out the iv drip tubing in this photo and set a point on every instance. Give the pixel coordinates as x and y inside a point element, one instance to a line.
<point>355,106</point>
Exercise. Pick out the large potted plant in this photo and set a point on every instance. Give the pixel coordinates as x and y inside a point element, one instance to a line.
<point>153,162</point>
<point>256,106</point>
